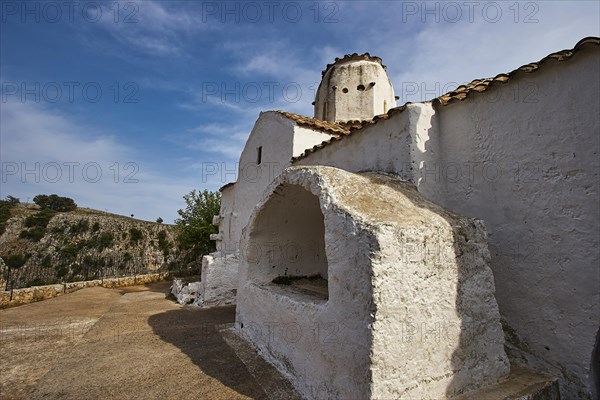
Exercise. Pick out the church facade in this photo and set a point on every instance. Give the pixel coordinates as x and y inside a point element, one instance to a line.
<point>427,250</point>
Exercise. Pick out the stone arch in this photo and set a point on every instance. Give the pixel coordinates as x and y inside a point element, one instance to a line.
<point>287,244</point>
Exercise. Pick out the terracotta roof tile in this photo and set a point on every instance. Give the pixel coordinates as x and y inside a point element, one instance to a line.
<point>481,85</point>
<point>353,57</point>
<point>355,126</point>
<point>458,94</point>
<point>336,129</point>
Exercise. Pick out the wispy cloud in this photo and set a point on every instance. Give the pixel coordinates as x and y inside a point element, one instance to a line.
<point>151,27</point>
<point>45,151</point>
<point>438,55</point>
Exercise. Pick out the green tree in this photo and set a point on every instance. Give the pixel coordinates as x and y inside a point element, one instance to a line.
<point>55,202</point>
<point>194,226</point>
<point>12,199</point>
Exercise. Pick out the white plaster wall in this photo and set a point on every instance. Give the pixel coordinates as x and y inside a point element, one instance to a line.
<point>322,346</point>
<point>227,217</point>
<point>437,331</point>
<point>541,133</point>
<point>353,346</point>
<point>218,286</point>
<point>280,139</point>
<point>290,240</point>
<point>275,134</point>
<point>384,147</point>
<point>354,104</point>
<point>305,138</point>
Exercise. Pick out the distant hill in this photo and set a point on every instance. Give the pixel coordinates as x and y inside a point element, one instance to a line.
<point>43,246</point>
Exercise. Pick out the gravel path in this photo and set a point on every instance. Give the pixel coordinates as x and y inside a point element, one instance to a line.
<point>130,343</point>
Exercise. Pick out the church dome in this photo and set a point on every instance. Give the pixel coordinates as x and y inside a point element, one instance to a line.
<point>354,87</point>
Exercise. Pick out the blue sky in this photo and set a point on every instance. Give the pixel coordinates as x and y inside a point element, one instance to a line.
<point>126,106</point>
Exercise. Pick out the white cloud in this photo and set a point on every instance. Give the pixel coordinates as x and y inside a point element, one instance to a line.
<point>436,55</point>
<point>151,27</point>
<point>44,151</point>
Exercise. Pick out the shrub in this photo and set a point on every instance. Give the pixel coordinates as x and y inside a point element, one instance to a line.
<point>96,227</point>
<point>36,282</point>
<point>61,270</point>
<point>58,229</point>
<point>69,252</point>
<point>37,223</point>
<point>163,243</point>
<point>39,219</point>
<point>81,226</point>
<point>12,200</point>
<point>135,235</point>
<point>47,261</point>
<point>105,240</point>
<point>34,234</point>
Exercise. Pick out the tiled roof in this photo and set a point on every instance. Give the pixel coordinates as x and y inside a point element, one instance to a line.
<point>352,126</point>
<point>458,94</point>
<point>353,57</point>
<point>481,85</point>
<point>335,129</point>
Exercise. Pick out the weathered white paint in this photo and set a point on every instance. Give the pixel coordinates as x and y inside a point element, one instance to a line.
<point>384,147</point>
<point>227,221</point>
<point>280,139</point>
<point>398,267</point>
<point>354,90</point>
<point>218,286</point>
<point>523,157</point>
<point>537,165</point>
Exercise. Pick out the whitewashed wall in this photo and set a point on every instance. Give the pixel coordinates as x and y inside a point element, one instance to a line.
<point>535,162</point>
<point>524,157</point>
<point>280,139</point>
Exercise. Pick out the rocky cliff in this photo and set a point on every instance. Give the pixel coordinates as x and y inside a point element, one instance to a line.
<point>43,247</point>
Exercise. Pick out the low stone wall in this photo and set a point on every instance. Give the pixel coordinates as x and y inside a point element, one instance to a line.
<point>38,293</point>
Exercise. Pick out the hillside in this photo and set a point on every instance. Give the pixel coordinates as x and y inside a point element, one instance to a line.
<point>43,246</point>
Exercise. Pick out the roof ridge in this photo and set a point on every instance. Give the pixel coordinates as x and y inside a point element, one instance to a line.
<point>310,122</point>
<point>481,85</point>
<point>353,57</point>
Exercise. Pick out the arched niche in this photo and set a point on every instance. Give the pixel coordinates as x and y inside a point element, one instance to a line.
<point>286,245</point>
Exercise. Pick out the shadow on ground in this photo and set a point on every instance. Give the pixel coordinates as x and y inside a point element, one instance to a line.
<point>194,332</point>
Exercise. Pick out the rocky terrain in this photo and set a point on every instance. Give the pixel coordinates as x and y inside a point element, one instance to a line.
<point>40,247</point>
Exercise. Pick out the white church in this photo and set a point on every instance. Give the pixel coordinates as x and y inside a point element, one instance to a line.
<point>441,249</point>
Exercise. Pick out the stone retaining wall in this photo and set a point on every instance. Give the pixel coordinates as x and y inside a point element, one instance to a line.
<point>38,293</point>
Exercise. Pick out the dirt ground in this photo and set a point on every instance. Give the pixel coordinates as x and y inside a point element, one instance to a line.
<point>129,343</point>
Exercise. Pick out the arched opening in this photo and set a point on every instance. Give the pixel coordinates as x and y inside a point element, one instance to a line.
<point>286,247</point>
